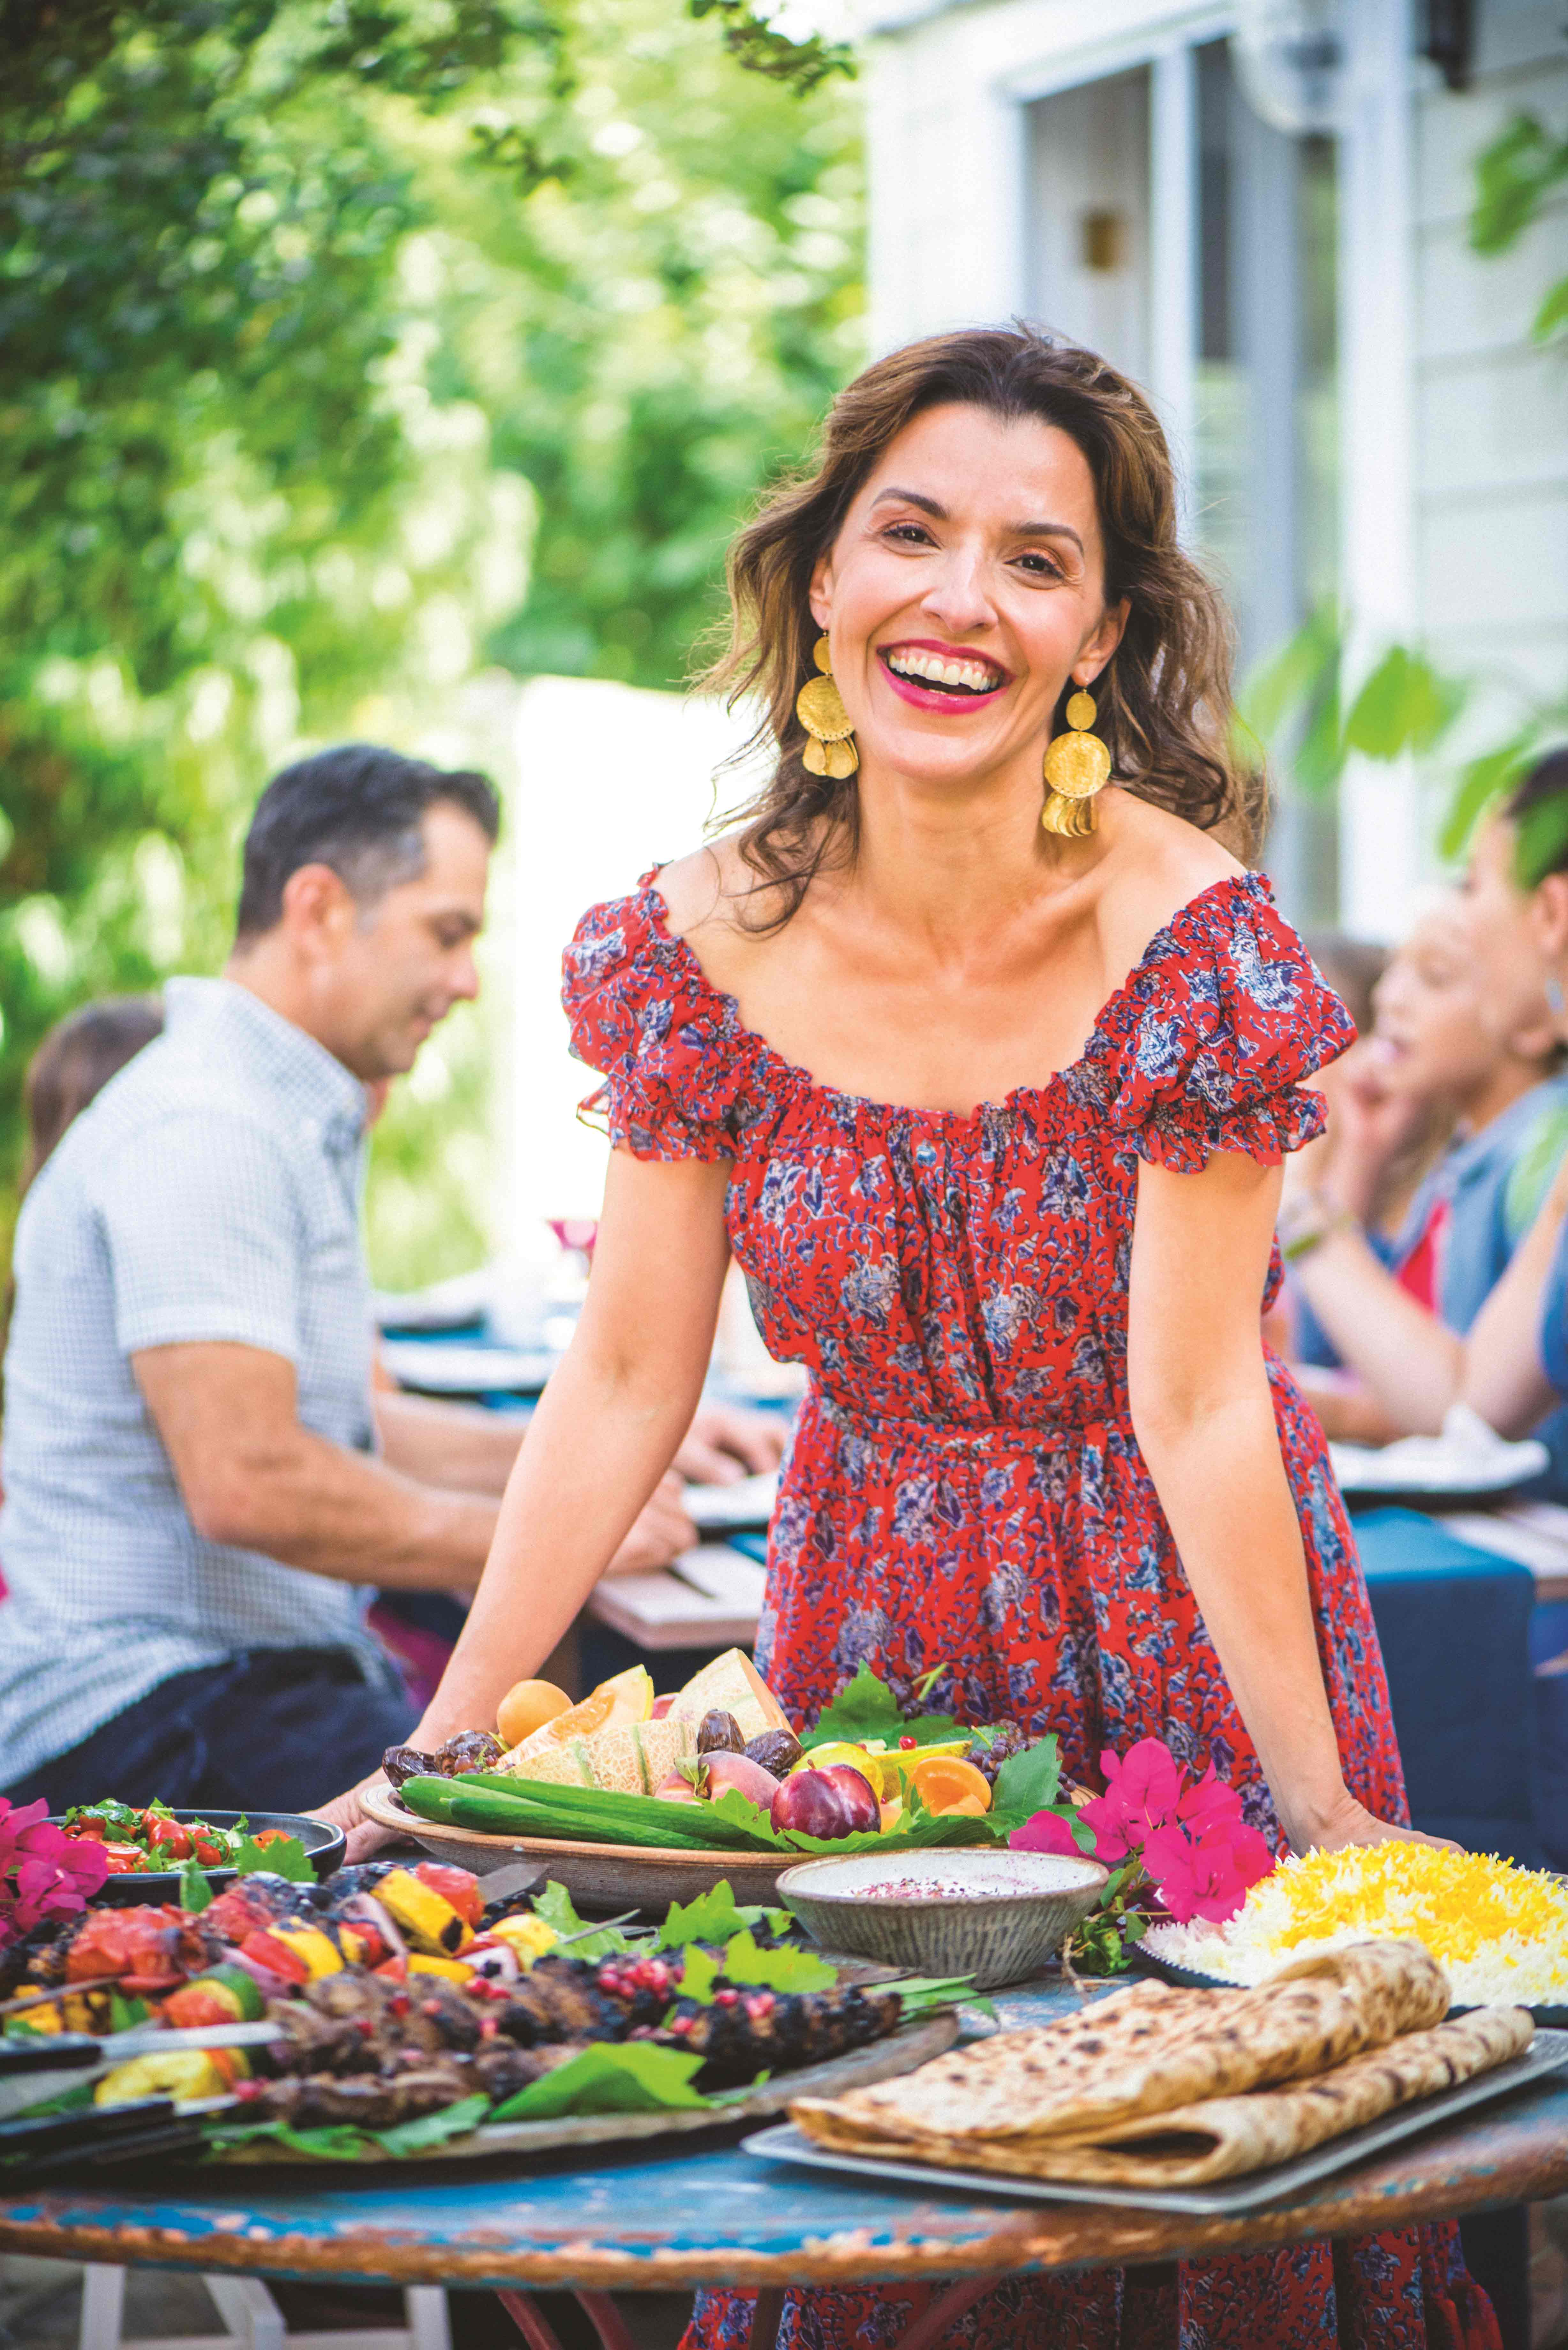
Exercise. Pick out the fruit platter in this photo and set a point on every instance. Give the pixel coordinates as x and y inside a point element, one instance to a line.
<point>391,2013</point>
<point>635,1796</point>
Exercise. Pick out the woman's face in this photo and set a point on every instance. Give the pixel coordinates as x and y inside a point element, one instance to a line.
<point>965,585</point>
<point>1430,1041</point>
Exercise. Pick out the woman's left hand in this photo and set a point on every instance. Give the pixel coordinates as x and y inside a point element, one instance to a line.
<point>1351,1824</point>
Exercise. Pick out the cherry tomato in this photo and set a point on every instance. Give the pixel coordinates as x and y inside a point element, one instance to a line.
<point>272,1835</point>
<point>166,1836</point>
<point>89,1827</point>
<point>211,1855</point>
<point>124,1859</point>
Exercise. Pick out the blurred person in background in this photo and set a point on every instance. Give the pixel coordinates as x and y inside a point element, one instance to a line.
<point>73,1064</point>
<point>194,1501</point>
<point>1446,1049</point>
<point>1515,1362</point>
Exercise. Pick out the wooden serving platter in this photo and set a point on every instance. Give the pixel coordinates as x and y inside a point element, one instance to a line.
<point>604,1876</point>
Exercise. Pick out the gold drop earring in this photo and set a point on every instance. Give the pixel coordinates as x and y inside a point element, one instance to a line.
<point>819,706</point>
<point>1077,766</point>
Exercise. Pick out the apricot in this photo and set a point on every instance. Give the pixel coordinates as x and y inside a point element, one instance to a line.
<point>526,1707</point>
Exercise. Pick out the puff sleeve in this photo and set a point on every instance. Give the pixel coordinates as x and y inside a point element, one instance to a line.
<point>1207,1045</point>
<point>666,1042</point>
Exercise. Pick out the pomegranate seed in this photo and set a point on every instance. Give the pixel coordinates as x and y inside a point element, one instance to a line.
<point>905,1744</point>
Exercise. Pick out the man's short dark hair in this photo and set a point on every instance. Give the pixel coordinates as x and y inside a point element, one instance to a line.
<point>358,809</point>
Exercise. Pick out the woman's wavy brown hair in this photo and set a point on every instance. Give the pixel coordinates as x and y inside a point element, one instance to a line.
<point>1165,696</point>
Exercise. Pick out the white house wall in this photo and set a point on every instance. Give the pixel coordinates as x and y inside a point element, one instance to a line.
<point>1492,407</point>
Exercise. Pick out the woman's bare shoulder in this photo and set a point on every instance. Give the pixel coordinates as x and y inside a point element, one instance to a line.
<point>1161,864</point>
<point>705,893</point>
<point>694,887</point>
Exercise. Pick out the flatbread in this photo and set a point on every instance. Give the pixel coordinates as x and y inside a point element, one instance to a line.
<point>1152,2048</point>
<point>1220,2138</point>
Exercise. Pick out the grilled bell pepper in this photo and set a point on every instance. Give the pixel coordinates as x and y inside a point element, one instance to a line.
<point>182,2074</point>
<point>317,1951</point>
<point>421,1963</point>
<point>527,1937</point>
<point>428,1920</point>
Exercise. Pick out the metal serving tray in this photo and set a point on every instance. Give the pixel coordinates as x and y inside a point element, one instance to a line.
<point>1282,2183</point>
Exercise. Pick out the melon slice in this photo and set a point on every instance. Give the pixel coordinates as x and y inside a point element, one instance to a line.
<point>733,1684</point>
<point>634,1760</point>
<point>626,1697</point>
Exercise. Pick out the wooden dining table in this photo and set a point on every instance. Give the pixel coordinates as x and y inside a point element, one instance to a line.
<point>677,2215</point>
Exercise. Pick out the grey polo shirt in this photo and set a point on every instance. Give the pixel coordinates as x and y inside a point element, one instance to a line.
<point>211,1191</point>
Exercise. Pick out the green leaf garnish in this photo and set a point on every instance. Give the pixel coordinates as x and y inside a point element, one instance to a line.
<point>627,2077</point>
<point>865,1708</point>
<point>698,1974</point>
<point>287,1858</point>
<point>195,1892</point>
<point>555,1907</point>
<point>1027,1781</point>
<point>433,2129</point>
<point>784,1969</point>
<point>714,1916</point>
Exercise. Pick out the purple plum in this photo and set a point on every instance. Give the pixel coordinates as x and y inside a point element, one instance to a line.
<point>837,1801</point>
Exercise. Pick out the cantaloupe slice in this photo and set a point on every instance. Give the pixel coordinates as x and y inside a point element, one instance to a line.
<point>625,1698</point>
<point>634,1760</point>
<point>733,1684</point>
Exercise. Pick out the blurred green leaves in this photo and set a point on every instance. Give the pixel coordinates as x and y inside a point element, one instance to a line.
<point>1514,177</point>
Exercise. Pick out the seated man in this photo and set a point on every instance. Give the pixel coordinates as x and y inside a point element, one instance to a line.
<point>195,1506</point>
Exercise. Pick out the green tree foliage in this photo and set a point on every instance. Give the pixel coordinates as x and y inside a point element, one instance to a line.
<point>309,311</point>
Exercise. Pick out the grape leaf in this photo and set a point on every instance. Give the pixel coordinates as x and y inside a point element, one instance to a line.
<point>714,1916</point>
<point>700,1971</point>
<point>783,1970</point>
<point>1027,1781</point>
<point>865,1708</point>
<point>433,2129</point>
<point>555,1907</point>
<point>338,2142</point>
<point>626,2077</point>
<point>287,1858</point>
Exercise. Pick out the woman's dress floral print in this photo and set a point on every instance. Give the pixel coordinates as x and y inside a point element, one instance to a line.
<point>964,1489</point>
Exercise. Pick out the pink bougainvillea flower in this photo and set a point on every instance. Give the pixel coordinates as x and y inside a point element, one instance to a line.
<point>1142,1790</point>
<point>43,1873</point>
<point>1046,1832</point>
<point>1206,1875</point>
<point>1210,1799</point>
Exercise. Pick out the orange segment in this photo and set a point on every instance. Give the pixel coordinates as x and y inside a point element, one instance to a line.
<point>945,1782</point>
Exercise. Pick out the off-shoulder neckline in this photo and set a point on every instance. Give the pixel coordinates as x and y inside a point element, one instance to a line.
<point>800,1080</point>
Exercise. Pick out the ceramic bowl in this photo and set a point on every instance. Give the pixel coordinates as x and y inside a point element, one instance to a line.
<point>997,1916</point>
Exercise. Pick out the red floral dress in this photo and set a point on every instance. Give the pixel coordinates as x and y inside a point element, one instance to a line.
<point>964,1488</point>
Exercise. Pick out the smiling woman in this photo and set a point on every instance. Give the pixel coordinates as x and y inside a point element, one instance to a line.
<point>992,1113</point>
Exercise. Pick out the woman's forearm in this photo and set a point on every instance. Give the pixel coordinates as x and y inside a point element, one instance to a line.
<point>596,1449</point>
<point>1409,1360</point>
<point>1223,1486</point>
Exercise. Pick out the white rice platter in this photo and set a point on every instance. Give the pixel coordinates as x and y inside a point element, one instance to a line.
<point>1499,1931</point>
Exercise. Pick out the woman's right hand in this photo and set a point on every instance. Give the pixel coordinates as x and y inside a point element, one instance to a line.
<point>1350,1822</point>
